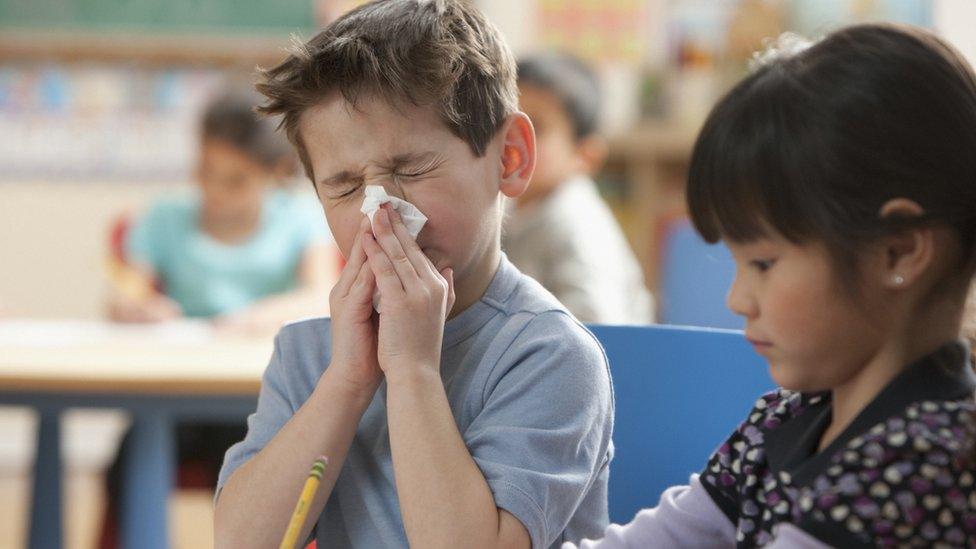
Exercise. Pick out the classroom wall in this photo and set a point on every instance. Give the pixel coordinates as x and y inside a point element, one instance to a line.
<point>955,21</point>
<point>516,19</point>
<point>53,244</point>
<point>53,235</point>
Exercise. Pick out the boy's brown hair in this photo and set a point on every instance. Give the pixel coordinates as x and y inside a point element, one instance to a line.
<point>439,53</point>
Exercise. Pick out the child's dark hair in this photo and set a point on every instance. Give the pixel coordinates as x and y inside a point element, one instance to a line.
<point>813,143</point>
<point>572,82</point>
<point>439,53</point>
<point>231,118</point>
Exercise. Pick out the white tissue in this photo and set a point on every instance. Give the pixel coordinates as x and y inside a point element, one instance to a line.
<point>413,219</point>
<point>376,196</point>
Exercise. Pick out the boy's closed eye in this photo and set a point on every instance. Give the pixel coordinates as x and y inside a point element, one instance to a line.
<point>346,193</point>
<point>417,168</point>
<point>403,168</point>
<point>411,174</point>
<point>340,185</point>
<point>338,189</point>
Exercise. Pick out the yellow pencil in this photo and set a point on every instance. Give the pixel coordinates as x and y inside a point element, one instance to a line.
<point>304,502</point>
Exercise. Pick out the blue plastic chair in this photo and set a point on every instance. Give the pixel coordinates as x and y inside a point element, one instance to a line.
<point>680,392</point>
<point>695,278</point>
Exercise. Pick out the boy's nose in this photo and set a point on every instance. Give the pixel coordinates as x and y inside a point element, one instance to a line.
<point>389,184</point>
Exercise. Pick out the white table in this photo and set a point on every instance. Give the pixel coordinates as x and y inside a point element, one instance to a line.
<point>157,373</point>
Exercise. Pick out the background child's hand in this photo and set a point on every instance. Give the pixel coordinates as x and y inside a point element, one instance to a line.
<point>415,297</point>
<point>154,308</point>
<point>247,323</point>
<point>353,322</point>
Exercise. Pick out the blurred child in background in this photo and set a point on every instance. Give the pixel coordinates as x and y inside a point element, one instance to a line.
<point>242,250</point>
<point>560,231</point>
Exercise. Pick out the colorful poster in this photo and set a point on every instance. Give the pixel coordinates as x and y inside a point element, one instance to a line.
<point>816,17</point>
<point>604,30</point>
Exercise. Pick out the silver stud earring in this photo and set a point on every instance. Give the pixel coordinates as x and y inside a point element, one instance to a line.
<point>898,280</point>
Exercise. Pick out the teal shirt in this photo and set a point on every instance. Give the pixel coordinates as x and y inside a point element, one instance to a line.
<point>207,277</point>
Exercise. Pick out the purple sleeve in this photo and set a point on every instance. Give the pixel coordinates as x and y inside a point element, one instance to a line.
<point>686,516</point>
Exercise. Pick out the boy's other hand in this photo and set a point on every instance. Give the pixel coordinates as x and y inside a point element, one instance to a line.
<point>415,298</point>
<point>353,323</point>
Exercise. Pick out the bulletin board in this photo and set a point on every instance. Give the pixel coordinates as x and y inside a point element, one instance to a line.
<point>609,30</point>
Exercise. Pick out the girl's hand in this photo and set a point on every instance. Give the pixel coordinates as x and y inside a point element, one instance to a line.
<point>247,323</point>
<point>353,322</point>
<point>152,309</point>
<point>415,299</point>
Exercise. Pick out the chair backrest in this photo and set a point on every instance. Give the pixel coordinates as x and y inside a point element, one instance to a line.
<point>695,278</point>
<point>679,392</point>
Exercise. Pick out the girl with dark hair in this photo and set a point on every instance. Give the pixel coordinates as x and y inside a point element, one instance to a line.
<point>842,175</point>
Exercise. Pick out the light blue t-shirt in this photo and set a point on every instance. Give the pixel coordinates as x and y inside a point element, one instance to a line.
<point>207,277</point>
<point>530,390</point>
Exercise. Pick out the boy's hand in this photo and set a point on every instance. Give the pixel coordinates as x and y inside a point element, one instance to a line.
<point>415,298</point>
<point>353,323</point>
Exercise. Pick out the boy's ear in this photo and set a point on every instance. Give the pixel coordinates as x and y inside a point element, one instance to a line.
<point>517,154</point>
<point>909,253</point>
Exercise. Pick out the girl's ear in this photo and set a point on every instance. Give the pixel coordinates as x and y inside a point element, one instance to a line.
<point>517,155</point>
<point>909,253</point>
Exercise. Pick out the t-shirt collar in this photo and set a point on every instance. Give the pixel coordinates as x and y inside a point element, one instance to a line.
<point>500,290</point>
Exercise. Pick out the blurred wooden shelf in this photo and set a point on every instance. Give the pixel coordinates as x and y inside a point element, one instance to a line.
<point>653,158</point>
<point>654,142</point>
<point>152,48</point>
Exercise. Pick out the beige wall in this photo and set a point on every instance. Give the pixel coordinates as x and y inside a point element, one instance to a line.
<point>955,20</point>
<point>53,244</point>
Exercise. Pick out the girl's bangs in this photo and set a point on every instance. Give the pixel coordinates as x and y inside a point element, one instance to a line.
<point>749,174</point>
